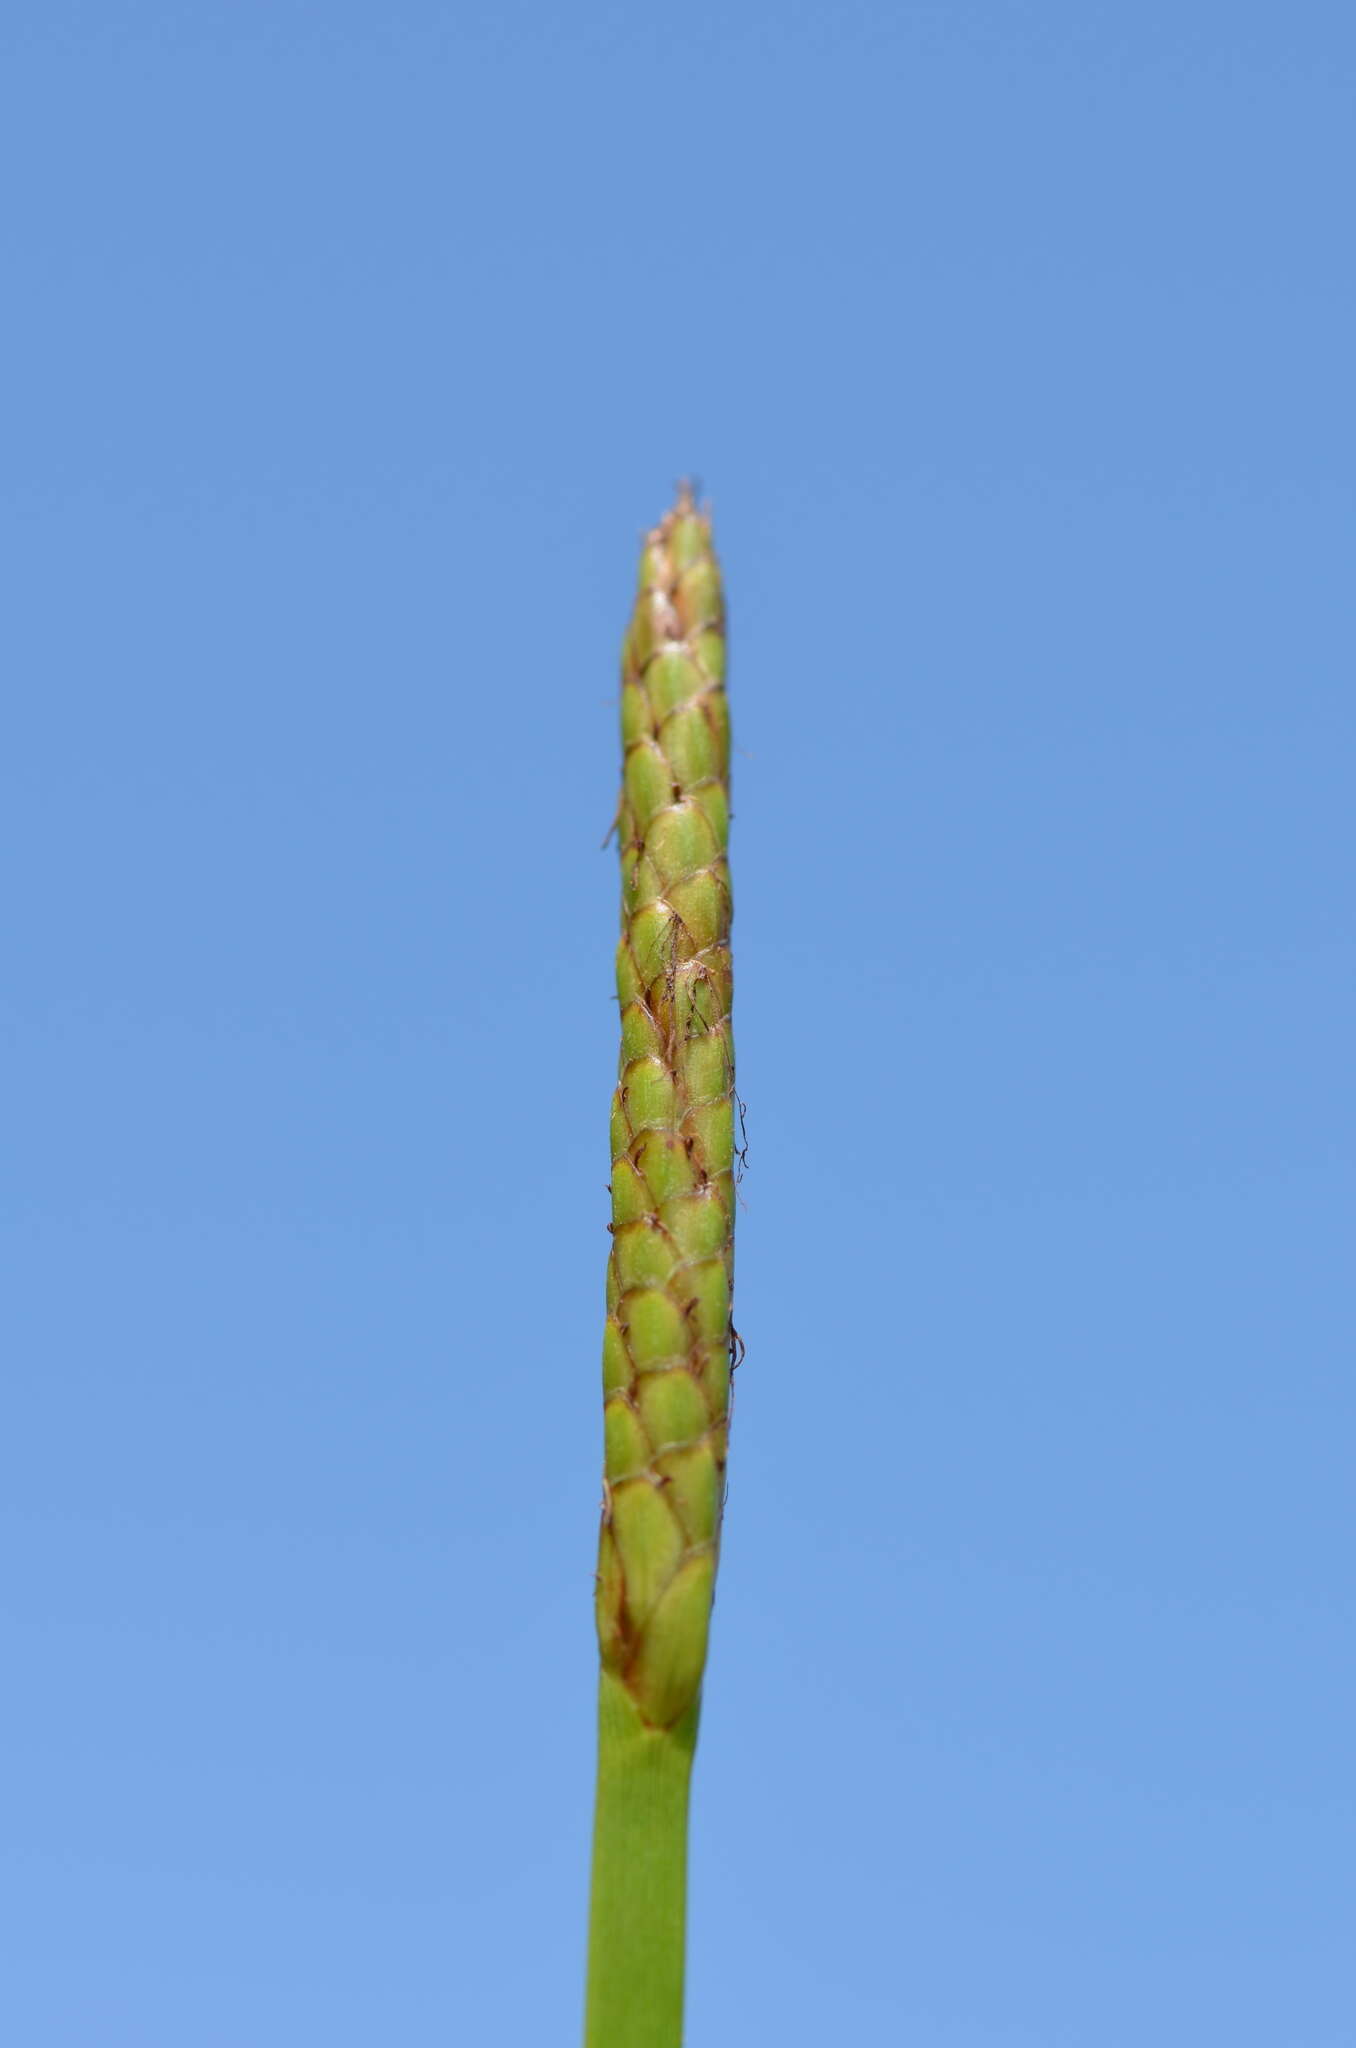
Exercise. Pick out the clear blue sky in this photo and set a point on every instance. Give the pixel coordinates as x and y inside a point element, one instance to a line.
<point>348,349</point>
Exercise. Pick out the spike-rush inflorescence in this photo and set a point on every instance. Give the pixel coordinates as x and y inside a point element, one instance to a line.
<point>667,1348</point>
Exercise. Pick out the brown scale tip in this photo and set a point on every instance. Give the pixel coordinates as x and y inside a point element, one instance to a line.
<point>683,534</point>
<point>684,506</point>
<point>658,539</point>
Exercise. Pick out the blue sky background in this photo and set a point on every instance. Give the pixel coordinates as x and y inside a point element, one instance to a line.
<point>348,348</point>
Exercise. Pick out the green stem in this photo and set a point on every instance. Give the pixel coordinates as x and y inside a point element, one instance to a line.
<point>638,1910</point>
